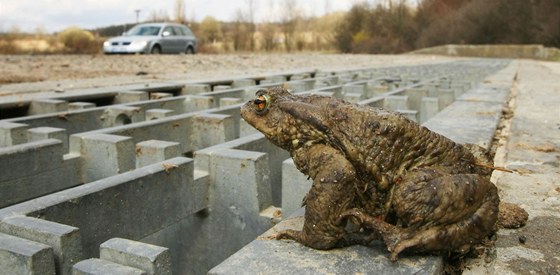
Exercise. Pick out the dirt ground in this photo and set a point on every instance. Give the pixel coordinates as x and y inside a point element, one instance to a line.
<point>34,68</point>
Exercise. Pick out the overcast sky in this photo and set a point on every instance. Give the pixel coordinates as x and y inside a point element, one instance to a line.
<point>55,15</point>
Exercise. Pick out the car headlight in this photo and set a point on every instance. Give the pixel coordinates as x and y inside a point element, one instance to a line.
<point>139,43</point>
<point>106,44</point>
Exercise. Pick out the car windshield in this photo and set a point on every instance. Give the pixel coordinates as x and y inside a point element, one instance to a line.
<point>144,30</point>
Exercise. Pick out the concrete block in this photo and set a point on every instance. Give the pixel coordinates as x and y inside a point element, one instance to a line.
<point>446,97</point>
<point>254,142</point>
<point>193,89</point>
<point>122,115</point>
<point>396,103</point>
<point>353,98</point>
<point>375,88</point>
<point>103,267</point>
<point>150,258</point>
<point>276,79</point>
<point>25,166</point>
<point>194,103</point>
<point>268,82</point>
<point>211,129</point>
<point>377,102</point>
<point>255,194</point>
<point>459,89</point>
<point>12,133</point>
<point>295,186</point>
<point>241,191</point>
<point>268,256</point>
<point>158,113</point>
<point>42,133</point>
<point>65,240</point>
<point>410,114</point>
<point>354,89</point>
<point>429,107</point>
<point>243,83</point>
<point>80,105</point>
<point>130,96</point>
<point>221,87</point>
<point>228,101</point>
<point>45,106</point>
<point>21,256</point>
<point>300,76</point>
<point>153,151</point>
<point>159,95</point>
<point>106,155</point>
<point>415,96</point>
<point>131,205</point>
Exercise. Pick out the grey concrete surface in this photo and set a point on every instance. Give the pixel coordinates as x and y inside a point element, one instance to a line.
<point>264,256</point>
<point>104,267</point>
<point>155,260</point>
<point>530,146</point>
<point>121,179</point>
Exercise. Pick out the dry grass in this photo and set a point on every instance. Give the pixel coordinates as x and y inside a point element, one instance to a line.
<point>71,40</point>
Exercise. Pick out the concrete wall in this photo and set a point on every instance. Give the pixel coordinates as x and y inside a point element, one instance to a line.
<point>496,51</point>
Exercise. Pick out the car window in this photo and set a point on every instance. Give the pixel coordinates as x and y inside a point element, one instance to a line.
<point>170,30</point>
<point>178,31</point>
<point>187,31</point>
<point>144,30</point>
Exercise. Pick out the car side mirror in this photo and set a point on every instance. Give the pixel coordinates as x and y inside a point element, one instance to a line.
<point>165,34</point>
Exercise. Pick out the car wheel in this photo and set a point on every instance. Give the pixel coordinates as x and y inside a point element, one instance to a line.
<point>189,50</point>
<point>156,50</point>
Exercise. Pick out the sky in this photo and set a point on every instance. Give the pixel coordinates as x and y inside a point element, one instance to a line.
<point>55,15</point>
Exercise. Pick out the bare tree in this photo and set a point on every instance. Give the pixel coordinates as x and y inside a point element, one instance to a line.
<point>288,22</point>
<point>239,31</point>
<point>252,7</point>
<point>158,16</point>
<point>180,16</point>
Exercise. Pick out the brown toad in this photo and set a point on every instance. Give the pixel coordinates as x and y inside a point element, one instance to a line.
<point>418,190</point>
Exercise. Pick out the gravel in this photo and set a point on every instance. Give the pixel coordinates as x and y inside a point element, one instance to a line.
<point>71,71</point>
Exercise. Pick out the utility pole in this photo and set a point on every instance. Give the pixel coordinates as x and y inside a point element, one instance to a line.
<point>137,16</point>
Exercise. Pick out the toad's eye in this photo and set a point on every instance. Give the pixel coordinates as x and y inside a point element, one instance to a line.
<point>262,103</point>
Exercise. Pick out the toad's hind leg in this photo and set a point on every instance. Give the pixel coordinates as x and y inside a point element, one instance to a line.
<point>438,212</point>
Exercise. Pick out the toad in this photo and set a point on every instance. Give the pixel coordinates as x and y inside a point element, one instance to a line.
<point>381,172</point>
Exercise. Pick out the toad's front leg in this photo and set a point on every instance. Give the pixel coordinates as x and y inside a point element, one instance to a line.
<point>331,194</point>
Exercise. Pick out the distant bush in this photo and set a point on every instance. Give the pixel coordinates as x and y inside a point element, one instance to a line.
<point>76,40</point>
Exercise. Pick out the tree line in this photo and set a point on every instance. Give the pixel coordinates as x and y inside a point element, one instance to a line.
<point>388,26</point>
<point>375,26</point>
<point>396,26</point>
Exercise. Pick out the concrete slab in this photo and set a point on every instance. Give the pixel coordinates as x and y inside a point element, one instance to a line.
<point>20,256</point>
<point>531,148</point>
<point>65,241</point>
<point>104,267</point>
<point>288,257</point>
<point>468,122</point>
<point>150,258</point>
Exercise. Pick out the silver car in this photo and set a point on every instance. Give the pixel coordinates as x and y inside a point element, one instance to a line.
<point>153,38</point>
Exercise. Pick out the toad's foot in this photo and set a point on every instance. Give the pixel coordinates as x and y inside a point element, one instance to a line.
<point>394,237</point>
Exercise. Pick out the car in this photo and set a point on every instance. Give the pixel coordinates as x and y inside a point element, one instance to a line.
<point>153,38</point>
